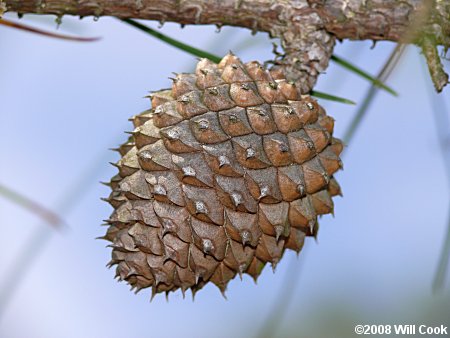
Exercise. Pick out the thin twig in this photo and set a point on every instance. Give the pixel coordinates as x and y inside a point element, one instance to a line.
<point>47,215</point>
<point>382,76</point>
<point>30,29</point>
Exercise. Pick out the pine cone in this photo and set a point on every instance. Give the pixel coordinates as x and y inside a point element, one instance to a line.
<point>231,167</point>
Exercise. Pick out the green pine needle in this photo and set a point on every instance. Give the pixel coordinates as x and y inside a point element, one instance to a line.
<point>330,97</point>
<point>351,67</point>
<point>175,43</point>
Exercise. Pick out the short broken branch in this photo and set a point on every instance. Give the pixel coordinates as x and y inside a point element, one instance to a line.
<point>435,67</point>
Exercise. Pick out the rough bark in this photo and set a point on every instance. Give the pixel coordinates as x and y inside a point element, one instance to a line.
<point>307,28</point>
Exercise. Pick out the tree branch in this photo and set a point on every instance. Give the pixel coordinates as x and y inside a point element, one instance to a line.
<point>307,28</point>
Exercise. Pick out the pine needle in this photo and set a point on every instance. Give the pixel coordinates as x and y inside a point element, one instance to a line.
<point>330,97</point>
<point>175,43</point>
<point>30,29</point>
<point>358,71</point>
<point>47,215</point>
<point>442,122</point>
<point>387,69</point>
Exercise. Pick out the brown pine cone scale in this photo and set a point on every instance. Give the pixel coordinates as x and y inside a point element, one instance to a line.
<point>228,169</point>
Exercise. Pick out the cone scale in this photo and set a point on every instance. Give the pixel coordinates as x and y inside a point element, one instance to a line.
<point>230,167</point>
